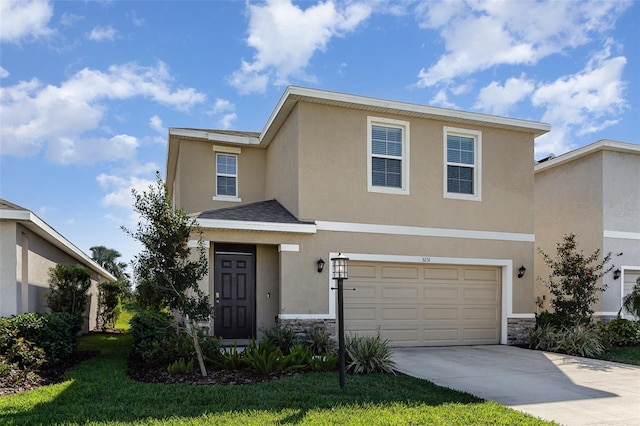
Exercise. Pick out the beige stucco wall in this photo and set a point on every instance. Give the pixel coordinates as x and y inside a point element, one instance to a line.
<point>333,175</point>
<point>302,290</point>
<point>568,199</point>
<point>283,168</point>
<point>196,174</point>
<point>32,257</point>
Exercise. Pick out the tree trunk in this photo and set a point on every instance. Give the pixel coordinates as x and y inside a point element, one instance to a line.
<point>196,346</point>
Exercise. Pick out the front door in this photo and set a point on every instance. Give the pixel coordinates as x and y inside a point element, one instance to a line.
<point>234,293</point>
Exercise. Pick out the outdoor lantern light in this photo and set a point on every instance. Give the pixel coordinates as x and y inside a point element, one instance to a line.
<point>320,265</point>
<point>340,266</point>
<point>616,274</point>
<point>521,271</point>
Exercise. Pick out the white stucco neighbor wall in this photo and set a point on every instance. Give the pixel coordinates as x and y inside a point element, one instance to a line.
<point>8,275</point>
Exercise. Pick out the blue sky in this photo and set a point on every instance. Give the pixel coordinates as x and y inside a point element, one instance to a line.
<point>89,88</point>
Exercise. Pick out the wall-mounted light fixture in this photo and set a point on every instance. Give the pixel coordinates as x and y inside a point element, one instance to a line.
<point>320,263</point>
<point>521,271</point>
<point>616,274</point>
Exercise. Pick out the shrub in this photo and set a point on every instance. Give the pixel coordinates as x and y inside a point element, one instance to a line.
<point>620,332</point>
<point>264,358</point>
<point>180,366</point>
<point>55,333</point>
<point>573,281</point>
<point>211,348</point>
<point>156,339</point>
<point>320,342</point>
<point>18,357</point>
<point>281,336</point>
<point>579,340</point>
<point>546,318</point>
<point>109,303</point>
<point>68,287</point>
<point>327,362</point>
<point>232,359</point>
<point>368,354</point>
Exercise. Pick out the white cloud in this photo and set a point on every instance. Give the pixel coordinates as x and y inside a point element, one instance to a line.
<point>66,150</point>
<point>442,100</point>
<point>69,19</point>
<point>119,193</point>
<point>285,38</point>
<point>582,103</point>
<point>156,124</point>
<point>480,34</point>
<point>497,99</point>
<point>224,110</point>
<point>34,115</point>
<point>3,73</point>
<point>24,20</point>
<point>102,33</point>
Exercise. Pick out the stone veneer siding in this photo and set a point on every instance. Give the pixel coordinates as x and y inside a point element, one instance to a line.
<point>517,329</point>
<point>300,326</point>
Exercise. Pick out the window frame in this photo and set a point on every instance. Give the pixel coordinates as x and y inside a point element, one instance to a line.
<point>476,135</point>
<point>229,152</point>
<point>404,158</point>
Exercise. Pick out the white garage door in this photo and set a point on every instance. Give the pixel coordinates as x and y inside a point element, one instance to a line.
<point>424,305</point>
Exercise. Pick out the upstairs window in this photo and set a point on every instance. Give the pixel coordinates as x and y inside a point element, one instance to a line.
<point>462,164</point>
<point>226,175</point>
<point>388,165</point>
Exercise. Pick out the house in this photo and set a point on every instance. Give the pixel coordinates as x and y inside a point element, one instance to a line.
<point>593,192</point>
<point>28,249</point>
<point>433,207</point>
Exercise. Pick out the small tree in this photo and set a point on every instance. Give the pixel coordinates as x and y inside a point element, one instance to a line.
<point>166,273</point>
<point>68,287</point>
<point>109,293</point>
<point>573,281</point>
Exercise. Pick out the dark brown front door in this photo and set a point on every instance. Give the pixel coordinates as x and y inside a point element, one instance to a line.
<point>234,293</point>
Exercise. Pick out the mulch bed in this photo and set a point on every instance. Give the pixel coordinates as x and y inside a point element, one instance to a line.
<point>143,373</point>
<point>49,376</point>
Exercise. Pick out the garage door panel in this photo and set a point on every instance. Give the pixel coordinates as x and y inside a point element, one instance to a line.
<point>391,272</point>
<point>480,275</point>
<point>398,292</point>
<point>361,271</point>
<point>441,294</point>
<point>401,313</point>
<point>418,305</point>
<point>489,294</point>
<point>440,314</point>
<point>439,274</point>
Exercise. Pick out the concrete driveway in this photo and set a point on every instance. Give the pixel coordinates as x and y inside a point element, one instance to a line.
<point>569,390</point>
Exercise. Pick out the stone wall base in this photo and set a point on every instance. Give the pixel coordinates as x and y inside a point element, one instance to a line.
<point>517,330</point>
<point>300,326</point>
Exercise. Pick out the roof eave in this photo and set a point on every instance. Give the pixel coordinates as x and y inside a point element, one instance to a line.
<point>601,145</point>
<point>240,225</point>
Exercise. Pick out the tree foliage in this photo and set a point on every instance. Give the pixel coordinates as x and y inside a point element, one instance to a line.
<point>68,287</point>
<point>166,272</point>
<point>573,281</point>
<point>631,302</point>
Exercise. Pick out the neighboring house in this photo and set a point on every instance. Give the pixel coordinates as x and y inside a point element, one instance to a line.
<point>434,208</point>
<point>593,192</point>
<point>28,249</point>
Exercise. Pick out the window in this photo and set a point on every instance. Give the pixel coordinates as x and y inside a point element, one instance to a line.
<point>226,176</point>
<point>388,164</point>
<point>462,177</point>
<point>226,184</point>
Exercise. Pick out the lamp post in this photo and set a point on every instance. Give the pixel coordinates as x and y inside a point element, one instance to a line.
<point>340,266</point>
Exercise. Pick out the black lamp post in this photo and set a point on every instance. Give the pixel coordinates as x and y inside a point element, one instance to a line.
<point>340,266</point>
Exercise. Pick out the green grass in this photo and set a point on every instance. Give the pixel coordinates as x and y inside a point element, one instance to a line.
<point>123,319</point>
<point>625,355</point>
<point>98,392</point>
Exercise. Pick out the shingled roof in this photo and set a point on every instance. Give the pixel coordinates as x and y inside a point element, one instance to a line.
<point>262,211</point>
<point>8,205</point>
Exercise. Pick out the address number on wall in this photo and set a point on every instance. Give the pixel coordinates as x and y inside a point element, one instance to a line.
<point>426,259</point>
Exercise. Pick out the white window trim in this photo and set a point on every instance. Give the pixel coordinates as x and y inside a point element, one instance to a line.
<point>404,190</point>
<point>477,166</point>
<point>231,198</point>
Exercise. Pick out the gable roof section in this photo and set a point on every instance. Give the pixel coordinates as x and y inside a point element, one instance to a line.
<point>601,145</point>
<point>261,216</point>
<point>11,211</point>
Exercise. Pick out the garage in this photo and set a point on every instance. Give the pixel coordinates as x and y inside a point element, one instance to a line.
<point>424,304</point>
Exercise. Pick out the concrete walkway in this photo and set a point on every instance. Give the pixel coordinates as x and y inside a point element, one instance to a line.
<point>566,389</point>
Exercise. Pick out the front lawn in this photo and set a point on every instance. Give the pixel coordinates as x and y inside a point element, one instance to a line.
<point>625,354</point>
<point>99,392</point>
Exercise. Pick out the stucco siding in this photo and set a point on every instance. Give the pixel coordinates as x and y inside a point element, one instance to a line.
<point>333,156</point>
<point>9,280</point>
<point>283,166</point>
